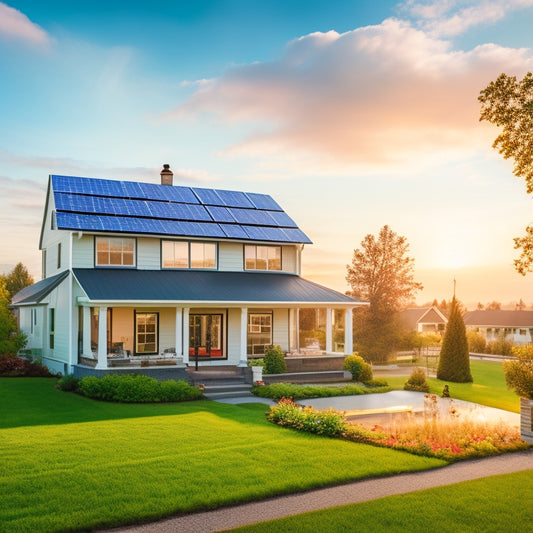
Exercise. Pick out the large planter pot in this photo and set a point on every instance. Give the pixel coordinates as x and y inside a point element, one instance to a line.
<point>526,420</point>
<point>257,373</point>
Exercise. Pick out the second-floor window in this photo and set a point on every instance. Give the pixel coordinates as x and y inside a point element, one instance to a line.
<point>262,257</point>
<point>184,254</point>
<point>115,251</point>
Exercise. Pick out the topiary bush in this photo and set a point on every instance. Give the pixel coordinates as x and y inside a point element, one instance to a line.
<point>136,388</point>
<point>275,361</point>
<point>354,364</point>
<point>366,374</point>
<point>417,381</point>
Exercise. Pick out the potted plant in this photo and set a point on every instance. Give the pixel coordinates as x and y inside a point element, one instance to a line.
<point>519,377</point>
<point>257,369</point>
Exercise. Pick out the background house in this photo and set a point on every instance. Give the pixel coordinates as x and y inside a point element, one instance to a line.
<point>140,273</point>
<point>514,326</point>
<point>424,320</point>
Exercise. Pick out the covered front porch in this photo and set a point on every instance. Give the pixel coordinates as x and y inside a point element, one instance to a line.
<point>169,336</point>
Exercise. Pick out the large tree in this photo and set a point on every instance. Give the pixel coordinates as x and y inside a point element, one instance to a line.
<point>454,360</point>
<point>381,273</point>
<point>17,279</point>
<point>508,103</point>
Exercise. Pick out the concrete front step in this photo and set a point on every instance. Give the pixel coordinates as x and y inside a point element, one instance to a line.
<point>227,387</point>
<point>228,394</point>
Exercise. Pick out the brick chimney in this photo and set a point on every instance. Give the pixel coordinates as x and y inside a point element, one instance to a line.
<point>167,176</point>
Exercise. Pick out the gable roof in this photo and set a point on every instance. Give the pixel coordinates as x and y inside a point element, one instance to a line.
<point>98,205</point>
<point>203,286</point>
<point>422,315</point>
<point>499,318</point>
<point>33,294</point>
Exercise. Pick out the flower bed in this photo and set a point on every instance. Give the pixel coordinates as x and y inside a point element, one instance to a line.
<point>453,437</point>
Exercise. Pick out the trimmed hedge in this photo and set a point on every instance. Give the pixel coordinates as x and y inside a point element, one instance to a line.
<point>131,388</point>
<point>276,391</point>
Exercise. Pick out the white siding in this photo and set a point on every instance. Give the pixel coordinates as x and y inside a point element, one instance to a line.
<point>288,259</point>
<point>83,251</point>
<point>230,256</point>
<point>280,334</point>
<point>148,253</point>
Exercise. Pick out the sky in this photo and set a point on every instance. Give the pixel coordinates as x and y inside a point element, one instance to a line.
<point>352,115</point>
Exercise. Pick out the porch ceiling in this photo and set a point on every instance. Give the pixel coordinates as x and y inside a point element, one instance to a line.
<point>204,286</point>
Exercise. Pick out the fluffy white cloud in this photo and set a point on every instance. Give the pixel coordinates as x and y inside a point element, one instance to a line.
<point>378,94</point>
<point>15,25</point>
<point>454,17</point>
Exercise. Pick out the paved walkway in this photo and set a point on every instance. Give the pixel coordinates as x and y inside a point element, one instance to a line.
<point>359,491</point>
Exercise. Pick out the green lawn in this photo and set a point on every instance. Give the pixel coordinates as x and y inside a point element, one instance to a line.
<point>70,463</point>
<point>489,387</point>
<point>494,504</point>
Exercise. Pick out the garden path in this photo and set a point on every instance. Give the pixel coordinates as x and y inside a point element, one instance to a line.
<point>359,491</point>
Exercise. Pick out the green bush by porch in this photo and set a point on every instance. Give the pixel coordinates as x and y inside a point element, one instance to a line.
<point>71,463</point>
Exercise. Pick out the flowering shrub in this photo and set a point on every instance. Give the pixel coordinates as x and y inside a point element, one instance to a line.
<point>289,414</point>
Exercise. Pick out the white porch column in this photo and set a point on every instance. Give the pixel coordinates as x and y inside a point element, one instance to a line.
<point>185,336</point>
<point>86,348</point>
<point>348,332</point>
<point>102,338</point>
<point>179,326</point>
<point>329,331</point>
<point>243,358</point>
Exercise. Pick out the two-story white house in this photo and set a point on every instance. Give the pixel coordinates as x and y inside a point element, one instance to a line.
<point>137,274</point>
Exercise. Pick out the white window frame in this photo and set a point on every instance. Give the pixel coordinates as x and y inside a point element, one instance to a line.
<point>115,265</point>
<point>254,248</point>
<point>190,246</point>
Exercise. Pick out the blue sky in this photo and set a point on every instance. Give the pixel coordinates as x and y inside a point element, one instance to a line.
<point>351,114</point>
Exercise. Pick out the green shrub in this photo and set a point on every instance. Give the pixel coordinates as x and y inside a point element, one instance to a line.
<point>417,381</point>
<point>379,382</point>
<point>519,373</point>
<point>354,364</point>
<point>13,366</point>
<point>275,361</point>
<point>256,362</point>
<point>330,423</point>
<point>476,342</point>
<point>68,383</point>
<point>500,346</point>
<point>276,391</point>
<point>366,374</point>
<point>136,388</point>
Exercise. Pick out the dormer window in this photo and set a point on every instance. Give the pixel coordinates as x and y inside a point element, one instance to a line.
<point>115,251</point>
<point>262,257</point>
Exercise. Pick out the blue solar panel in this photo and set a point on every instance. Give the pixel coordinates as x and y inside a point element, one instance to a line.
<point>261,233</point>
<point>208,196</point>
<point>252,216</point>
<point>220,214</point>
<point>282,219</point>
<point>90,204</point>
<point>232,231</point>
<point>234,198</point>
<point>263,201</point>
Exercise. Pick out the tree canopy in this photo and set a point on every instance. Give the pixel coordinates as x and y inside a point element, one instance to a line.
<point>17,279</point>
<point>381,272</point>
<point>508,103</point>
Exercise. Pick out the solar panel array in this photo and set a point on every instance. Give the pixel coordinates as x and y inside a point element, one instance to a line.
<point>90,204</point>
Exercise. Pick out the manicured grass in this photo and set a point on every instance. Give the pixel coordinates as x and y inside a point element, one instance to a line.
<point>70,463</point>
<point>489,387</point>
<point>494,504</point>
